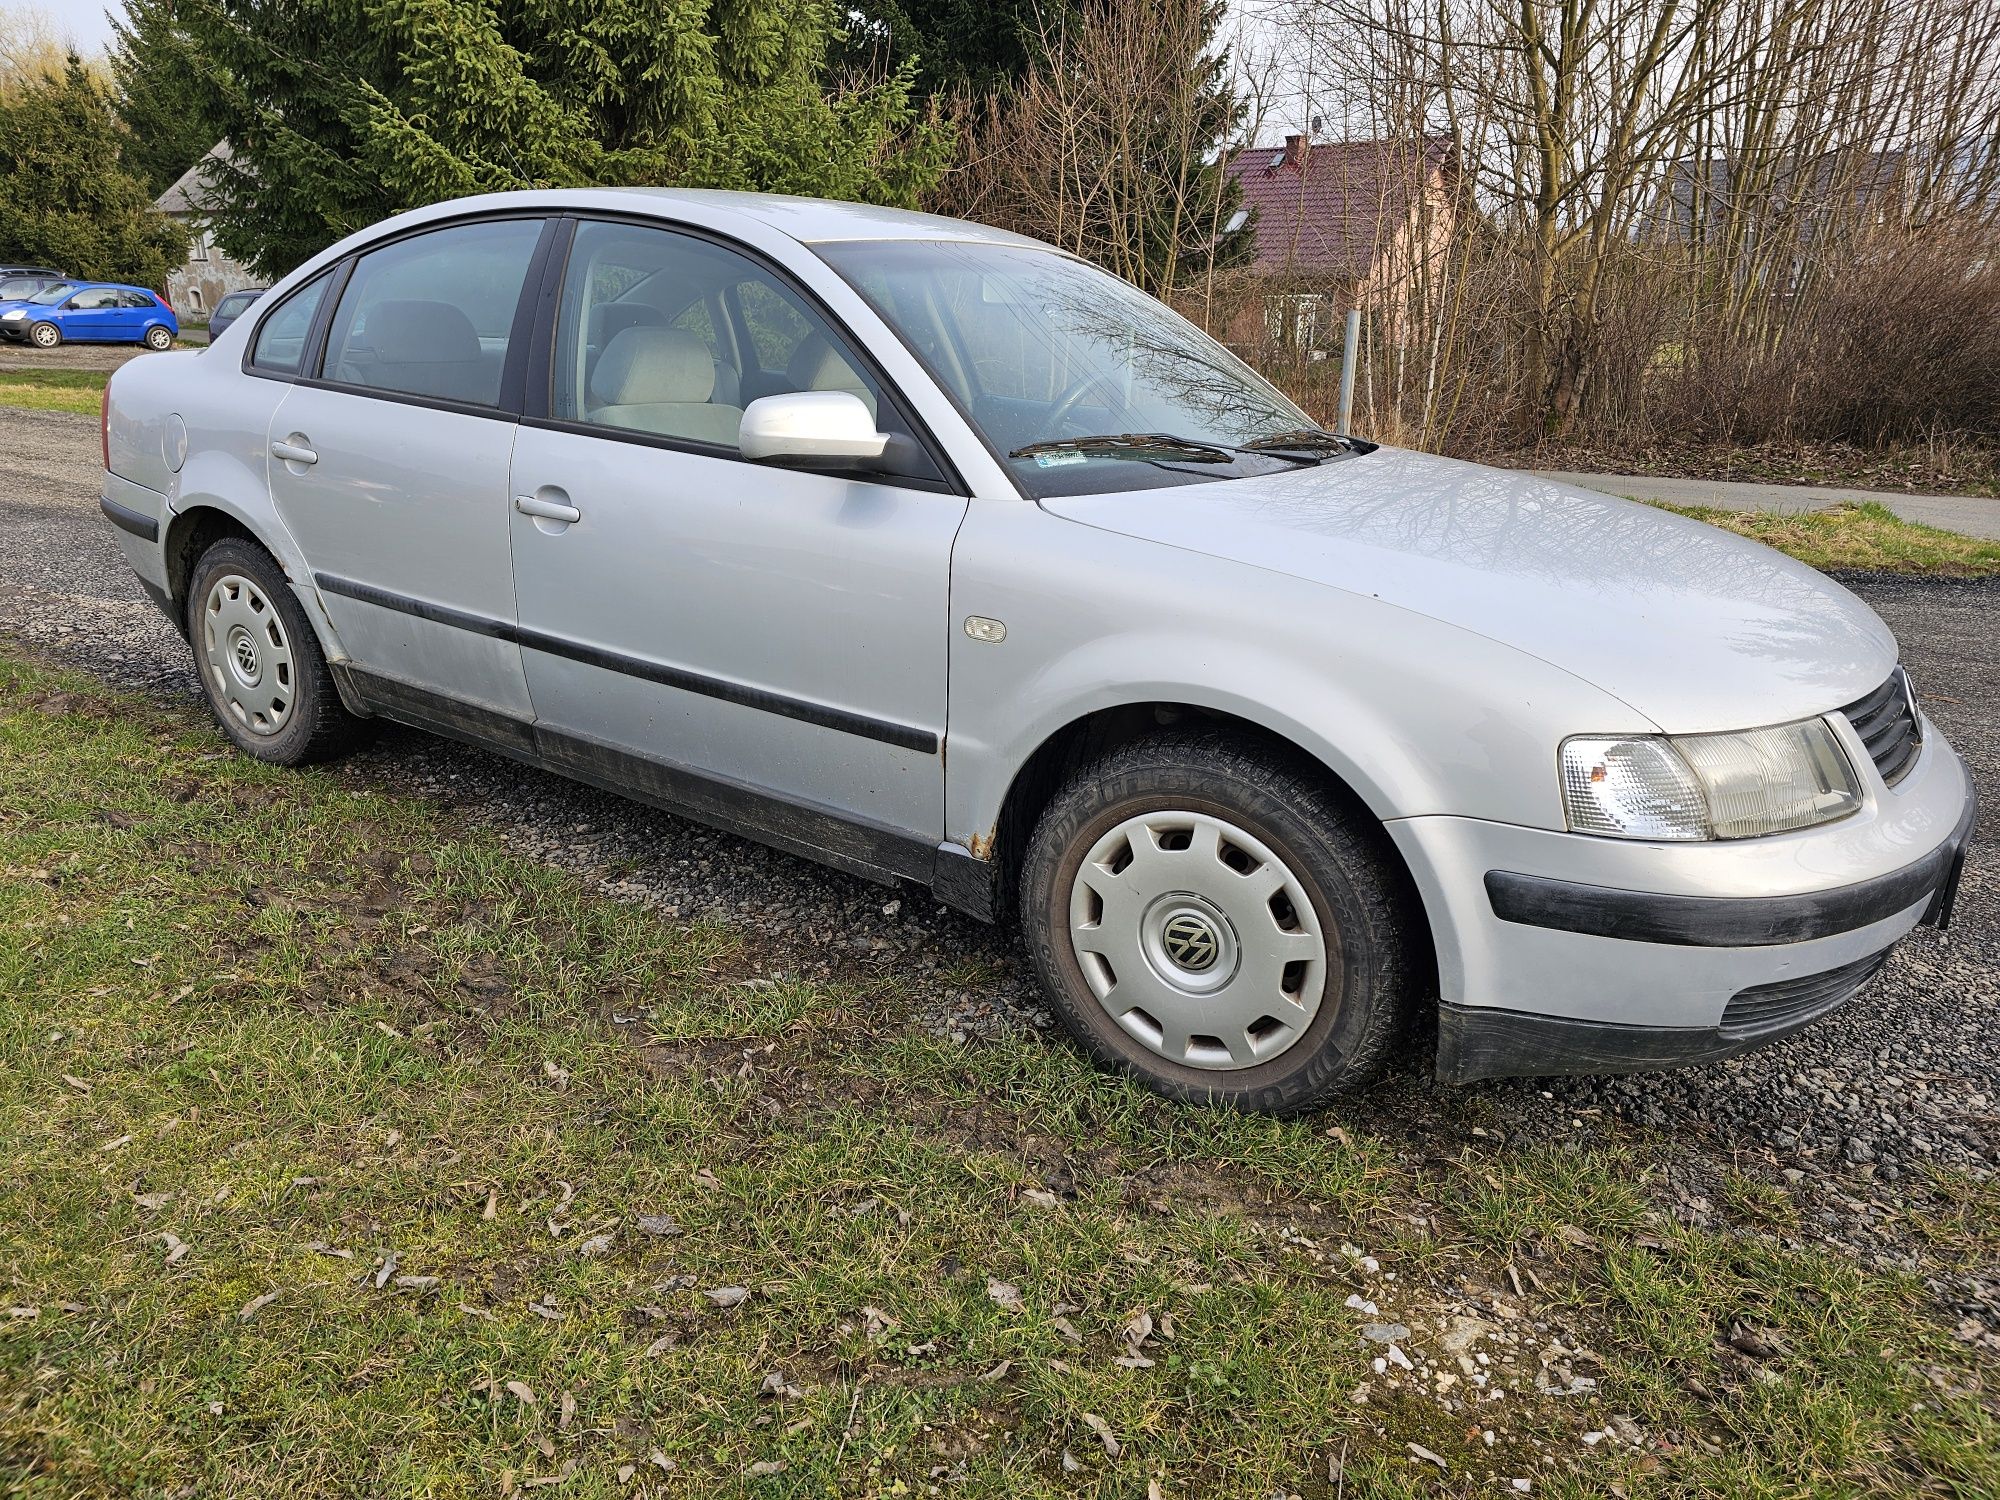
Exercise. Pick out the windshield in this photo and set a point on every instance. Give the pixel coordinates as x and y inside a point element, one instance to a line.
<point>52,295</point>
<point>1078,380</point>
<point>18,288</point>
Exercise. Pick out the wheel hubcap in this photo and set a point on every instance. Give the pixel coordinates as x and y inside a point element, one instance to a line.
<point>249,656</point>
<point>1197,940</point>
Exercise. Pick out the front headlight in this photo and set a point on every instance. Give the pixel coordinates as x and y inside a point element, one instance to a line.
<point>13,314</point>
<point>1708,786</point>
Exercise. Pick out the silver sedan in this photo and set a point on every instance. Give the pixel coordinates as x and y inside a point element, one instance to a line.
<point>941,556</point>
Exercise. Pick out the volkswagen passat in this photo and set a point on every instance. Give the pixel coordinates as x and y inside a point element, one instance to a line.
<point>941,556</point>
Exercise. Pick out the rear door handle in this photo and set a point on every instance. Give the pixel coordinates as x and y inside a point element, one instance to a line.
<point>294,453</point>
<point>548,510</point>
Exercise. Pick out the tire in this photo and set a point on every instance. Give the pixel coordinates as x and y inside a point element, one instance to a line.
<point>158,337</point>
<point>262,671</point>
<point>1166,931</point>
<point>45,335</point>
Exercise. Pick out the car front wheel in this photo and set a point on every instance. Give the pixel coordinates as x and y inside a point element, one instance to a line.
<point>1210,921</point>
<point>262,670</point>
<point>45,335</point>
<point>157,337</point>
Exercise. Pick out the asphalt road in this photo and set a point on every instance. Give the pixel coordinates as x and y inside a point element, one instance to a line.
<point>1845,1116</point>
<point>1974,515</point>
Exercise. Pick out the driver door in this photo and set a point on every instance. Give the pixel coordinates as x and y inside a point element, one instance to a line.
<point>764,647</point>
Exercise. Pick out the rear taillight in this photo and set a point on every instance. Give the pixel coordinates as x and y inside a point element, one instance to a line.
<point>104,424</point>
<point>157,297</point>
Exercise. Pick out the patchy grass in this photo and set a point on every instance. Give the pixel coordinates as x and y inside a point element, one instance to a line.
<point>350,1153</point>
<point>54,390</point>
<point>1870,537</point>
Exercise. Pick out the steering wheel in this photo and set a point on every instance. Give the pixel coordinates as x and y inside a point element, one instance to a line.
<point>1074,393</point>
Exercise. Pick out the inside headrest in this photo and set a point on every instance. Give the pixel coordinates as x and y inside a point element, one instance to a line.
<point>409,332</point>
<point>652,366</point>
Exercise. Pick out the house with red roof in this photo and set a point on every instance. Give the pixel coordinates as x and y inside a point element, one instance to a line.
<point>1337,224</point>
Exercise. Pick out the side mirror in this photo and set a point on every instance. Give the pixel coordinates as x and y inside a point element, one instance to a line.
<point>811,428</point>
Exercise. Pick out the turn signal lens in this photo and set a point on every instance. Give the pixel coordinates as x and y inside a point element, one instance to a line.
<point>1631,789</point>
<point>1708,786</point>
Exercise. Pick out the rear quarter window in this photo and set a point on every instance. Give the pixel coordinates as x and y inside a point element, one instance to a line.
<point>281,337</point>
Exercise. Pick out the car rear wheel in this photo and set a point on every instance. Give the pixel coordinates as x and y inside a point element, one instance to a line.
<point>157,337</point>
<point>45,335</point>
<point>262,670</point>
<point>1210,921</point>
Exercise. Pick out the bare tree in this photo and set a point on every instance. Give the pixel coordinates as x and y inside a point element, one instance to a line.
<point>1108,145</point>
<point>1671,197</point>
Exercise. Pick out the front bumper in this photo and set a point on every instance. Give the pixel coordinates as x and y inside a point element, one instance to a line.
<point>1560,953</point>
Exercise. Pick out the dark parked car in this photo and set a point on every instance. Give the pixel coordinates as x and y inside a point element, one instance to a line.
<point>230,308</point>
<point>18,283</point>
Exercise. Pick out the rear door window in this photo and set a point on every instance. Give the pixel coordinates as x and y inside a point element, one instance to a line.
<point>431,315</point>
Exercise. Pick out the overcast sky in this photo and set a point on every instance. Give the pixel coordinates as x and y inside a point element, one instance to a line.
<point>82,21</point>
<point>86,26</point>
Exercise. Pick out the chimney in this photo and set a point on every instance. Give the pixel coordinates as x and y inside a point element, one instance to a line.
<point>1295,151</point>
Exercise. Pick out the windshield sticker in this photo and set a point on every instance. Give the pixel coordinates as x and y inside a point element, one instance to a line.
<point>1060,460</point>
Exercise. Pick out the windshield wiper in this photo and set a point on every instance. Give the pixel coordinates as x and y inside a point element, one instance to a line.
<point>1154,447</point>
<point>1301,440</point>
<point>1139,445</point>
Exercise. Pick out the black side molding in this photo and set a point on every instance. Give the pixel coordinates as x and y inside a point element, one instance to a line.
<point>1724,921</point>
<point>888,732</point>
<point>141,525</point>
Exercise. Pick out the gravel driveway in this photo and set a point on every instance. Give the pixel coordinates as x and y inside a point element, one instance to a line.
<point>1845,1115</point>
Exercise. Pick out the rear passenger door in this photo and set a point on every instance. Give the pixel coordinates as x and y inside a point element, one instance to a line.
<point>388,462</point>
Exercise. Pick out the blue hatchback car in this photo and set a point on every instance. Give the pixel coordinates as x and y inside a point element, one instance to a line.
<point>97,312</point>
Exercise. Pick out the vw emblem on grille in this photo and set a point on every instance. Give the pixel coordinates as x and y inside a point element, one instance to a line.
<point>1190,942</point>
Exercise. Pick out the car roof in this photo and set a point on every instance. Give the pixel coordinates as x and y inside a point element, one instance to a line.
<point>807,220</point>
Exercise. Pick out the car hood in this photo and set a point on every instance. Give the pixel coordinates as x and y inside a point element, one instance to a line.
<point>1692,627</point>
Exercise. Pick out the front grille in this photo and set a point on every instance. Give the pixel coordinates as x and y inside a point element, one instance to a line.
<point>1770,1010</point>
<point>1886,720</point>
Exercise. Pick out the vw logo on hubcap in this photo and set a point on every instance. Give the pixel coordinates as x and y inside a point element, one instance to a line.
<point>1190,942</point>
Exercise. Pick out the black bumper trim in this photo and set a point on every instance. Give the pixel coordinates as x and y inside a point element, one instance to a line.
<point>141,525</point>
<point>1731,921</point>
<point>1477,1042</point>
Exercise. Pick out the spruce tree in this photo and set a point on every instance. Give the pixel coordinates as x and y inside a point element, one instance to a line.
<point>69,202</point>
<point>970,46</point>
<point>340,112</point>
<point>163,95</point>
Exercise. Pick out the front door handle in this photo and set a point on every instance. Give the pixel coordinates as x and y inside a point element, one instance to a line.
<point>548,510</point>
<point>294,453</point>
